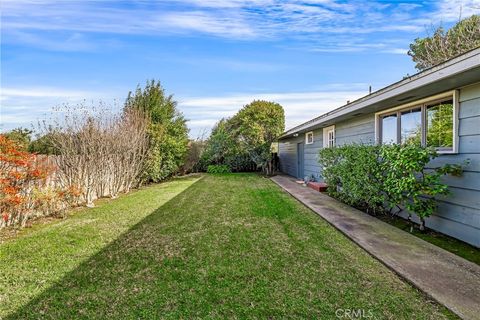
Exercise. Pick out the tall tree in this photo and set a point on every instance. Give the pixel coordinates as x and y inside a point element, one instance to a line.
<point>243,142</point>
<point>256,126</point>
<point>167,130</point>
<point>444,45</point>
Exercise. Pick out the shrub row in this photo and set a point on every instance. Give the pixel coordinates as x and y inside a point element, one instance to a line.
<point>387,178</point>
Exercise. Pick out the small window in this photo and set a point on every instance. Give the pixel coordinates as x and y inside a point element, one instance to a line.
<point>329,137</point>
<point>309,137</point>
<point>428,124</point>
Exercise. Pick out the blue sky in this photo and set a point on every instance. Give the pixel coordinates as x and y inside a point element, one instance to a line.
<point>214,56</point>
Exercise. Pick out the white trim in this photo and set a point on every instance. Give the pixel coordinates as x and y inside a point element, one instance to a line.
<point>306,137</point>
<point>326,140</point>
<point>421,103</point>
<point>456,110</point>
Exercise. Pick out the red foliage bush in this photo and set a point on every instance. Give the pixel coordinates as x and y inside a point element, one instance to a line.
<point>22,175</point>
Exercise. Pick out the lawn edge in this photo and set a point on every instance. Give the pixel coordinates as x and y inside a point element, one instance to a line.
<point>376,257</point>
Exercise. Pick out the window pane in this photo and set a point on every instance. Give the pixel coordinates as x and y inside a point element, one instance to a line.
<point>389,129</point>
<point>440,125</point>
<point>411,126</point>
<point>310,137</point>
<point>331,138</point>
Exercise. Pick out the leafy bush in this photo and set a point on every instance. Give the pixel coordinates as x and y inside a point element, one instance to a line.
<point>21,136</point>
<point>256,126</point>
<point>408,184</point>
<point>222,168</point>
<point>385,177</point>
<point>354,175</point>
<point>243,141</point>
<point>192,158</point>
<point>44,145</point>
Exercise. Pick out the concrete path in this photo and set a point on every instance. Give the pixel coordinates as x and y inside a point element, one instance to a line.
<point>447,278</point>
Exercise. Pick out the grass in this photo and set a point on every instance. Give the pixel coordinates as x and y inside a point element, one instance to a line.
<point>227,246</point>
<point>453,245</point>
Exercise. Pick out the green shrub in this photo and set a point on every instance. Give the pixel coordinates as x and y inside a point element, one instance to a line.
<point>408,184</point>
<point>222,168</point>
<point>243,141</point>
<point>385,177</point>
<point>167,130</point>
<point>354,175</point>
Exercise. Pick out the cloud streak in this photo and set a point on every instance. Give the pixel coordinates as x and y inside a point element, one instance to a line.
<point>312,21</point>
<point>299,106</point>
<point>25,106</point>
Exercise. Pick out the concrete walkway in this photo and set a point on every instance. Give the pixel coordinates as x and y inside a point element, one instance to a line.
<point>447,278</point>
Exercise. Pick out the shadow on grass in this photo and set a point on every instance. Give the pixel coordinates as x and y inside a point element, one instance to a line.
<point>230,246</point>
<point>123,280</point>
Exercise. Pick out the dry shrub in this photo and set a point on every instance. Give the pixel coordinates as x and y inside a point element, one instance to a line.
<point>100,152</point>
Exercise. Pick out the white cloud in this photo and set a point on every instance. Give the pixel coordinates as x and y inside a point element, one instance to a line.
<point>41,92</point>
<point>312,21</point>
<point>299,106</point>
<point>25,106</point>
<point>453,10</point>
<point>208,23</point>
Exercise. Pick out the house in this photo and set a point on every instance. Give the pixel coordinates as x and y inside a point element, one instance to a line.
<point>405,110</point>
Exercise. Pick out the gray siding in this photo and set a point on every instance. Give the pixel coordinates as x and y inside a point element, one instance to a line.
<point>312,166</point>
<point>287,152</point>
<point>361,129</point>
<point>458,214</point>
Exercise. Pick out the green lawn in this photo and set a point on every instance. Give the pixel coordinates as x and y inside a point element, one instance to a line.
<point>225,246</point>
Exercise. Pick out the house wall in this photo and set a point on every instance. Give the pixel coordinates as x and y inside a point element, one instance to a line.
<point>287,153</point>
<point>458,214</point>
<point>361,129</point>
<point>312,166</point>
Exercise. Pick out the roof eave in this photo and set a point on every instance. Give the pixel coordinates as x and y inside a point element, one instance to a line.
<point>447,69</point>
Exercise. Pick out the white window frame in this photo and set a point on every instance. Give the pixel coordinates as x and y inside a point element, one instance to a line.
<point>326,136</point>
<point>422,104</point>
<point>310,133</point>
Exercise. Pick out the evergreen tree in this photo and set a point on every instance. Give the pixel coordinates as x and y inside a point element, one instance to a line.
<point>168,132</point>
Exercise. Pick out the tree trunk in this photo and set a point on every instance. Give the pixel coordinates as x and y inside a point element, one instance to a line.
<point>422,224</point>
<point>410,222</point>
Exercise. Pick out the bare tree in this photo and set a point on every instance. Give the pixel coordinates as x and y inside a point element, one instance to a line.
<point>100,152</point>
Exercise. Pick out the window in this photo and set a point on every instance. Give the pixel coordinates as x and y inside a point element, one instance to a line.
<point>440,125</point>
<point>428,123</point>
<point>389,129</point>
<point>329,137</point>
<point>309,137</point>
<point>411,126</point>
